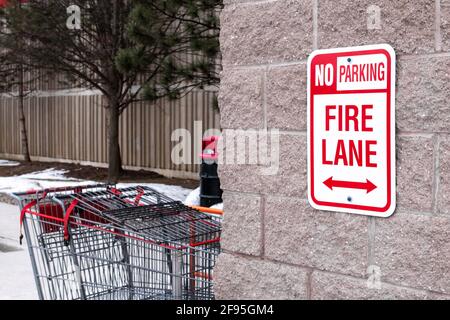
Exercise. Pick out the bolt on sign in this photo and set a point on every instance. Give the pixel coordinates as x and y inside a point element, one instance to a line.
<point>351,130</point>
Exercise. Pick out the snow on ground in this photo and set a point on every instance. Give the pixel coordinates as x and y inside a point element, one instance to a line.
<point>52,178</point>
<point>218,206</point>
<point>175,192</point>
<point>49,178</point>
<point>16,276</point>
<point>193,198</point>
<point>8,163</point>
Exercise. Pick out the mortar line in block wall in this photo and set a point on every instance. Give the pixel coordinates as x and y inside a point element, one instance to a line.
<point>437,32</point>
<point>435,178</point>
<point>304,61</point>
<point>415,134</point>
<point>264,98</point>
<point>292,133</point>
<point>371,229</point>
<point>312,270</point>
<point>237,193</point>
<point>424,55</point>
<point>252,2</point>
<point>399,210</point>
<point>280,132</point>
<point>407,211</point>
<point>274,261</point>
<point>315,24</point>
<point>263,65</point>
<point>263,225</point>
<point>308,284</point>
<point>400,56</point>
<point>383,283</point>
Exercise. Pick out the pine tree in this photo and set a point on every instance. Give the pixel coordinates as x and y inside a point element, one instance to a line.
<point>185,33</point>
<point>117,46</point>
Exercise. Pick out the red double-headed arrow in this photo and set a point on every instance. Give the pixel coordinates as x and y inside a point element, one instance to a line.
<point>368,185</point>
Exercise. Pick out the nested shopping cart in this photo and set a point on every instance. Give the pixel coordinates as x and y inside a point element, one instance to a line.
<point>100,242</point>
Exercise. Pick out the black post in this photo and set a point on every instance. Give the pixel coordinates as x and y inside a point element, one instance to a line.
<point>210,192</point>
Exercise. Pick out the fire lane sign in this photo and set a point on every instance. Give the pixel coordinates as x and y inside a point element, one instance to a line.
<point>351,130</point>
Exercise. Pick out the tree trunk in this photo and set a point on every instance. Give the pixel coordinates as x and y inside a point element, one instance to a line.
<point>114,90</point>
<point>114,159</point>
<point>22,125</point>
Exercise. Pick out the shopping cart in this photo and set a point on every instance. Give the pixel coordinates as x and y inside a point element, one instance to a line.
<point>101,242</point>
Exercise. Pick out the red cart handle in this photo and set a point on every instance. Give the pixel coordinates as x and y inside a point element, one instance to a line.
<point>66,221</point>
<point>24,211</point>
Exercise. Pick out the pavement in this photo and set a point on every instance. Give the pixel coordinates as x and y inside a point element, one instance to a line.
<point>16,275</point>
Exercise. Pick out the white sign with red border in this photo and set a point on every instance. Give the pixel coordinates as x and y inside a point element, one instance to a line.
<point>351,130</point>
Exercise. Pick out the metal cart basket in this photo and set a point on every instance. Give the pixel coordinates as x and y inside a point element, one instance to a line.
<point>100,242</point>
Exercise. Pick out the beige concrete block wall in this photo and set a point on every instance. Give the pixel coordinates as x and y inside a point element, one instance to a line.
<point>277,246</point>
